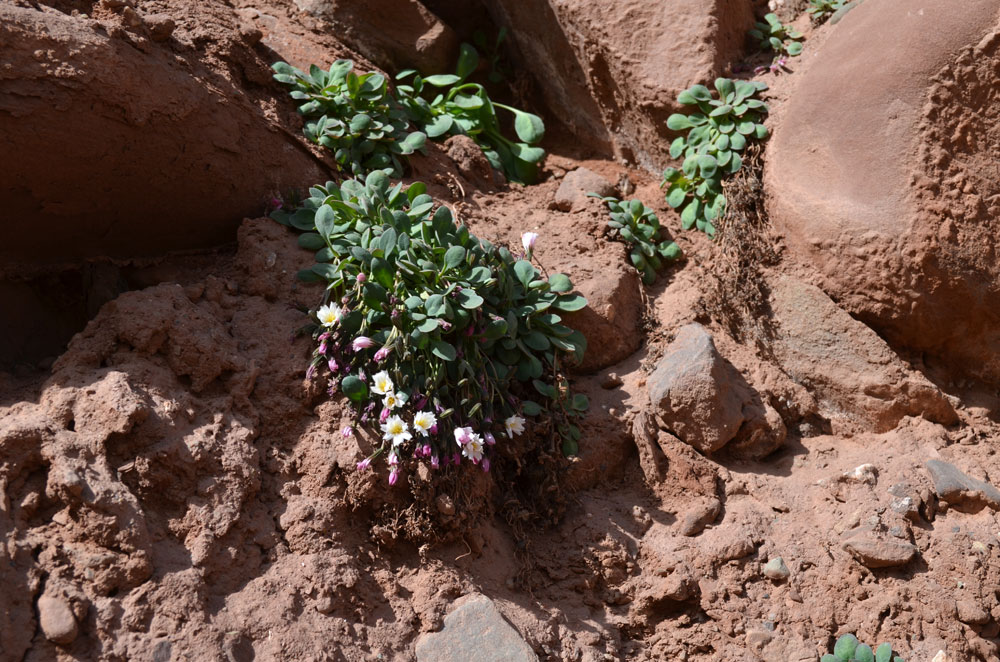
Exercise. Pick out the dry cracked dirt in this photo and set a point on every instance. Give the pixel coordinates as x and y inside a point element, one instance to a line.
<point>793,432</point>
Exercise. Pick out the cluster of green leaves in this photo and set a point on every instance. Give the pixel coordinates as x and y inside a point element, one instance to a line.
<point>355,116</point>
<point>849,649</point>
<point>638,226</point>
<point>460,320</point>
<point>771,34</point>
<point>716,134</point>
<point>820,10</point>
<point>448,104</point>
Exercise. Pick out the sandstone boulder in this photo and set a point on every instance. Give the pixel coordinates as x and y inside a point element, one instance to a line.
<point>882,185</point>
<point>613,70</point>
<point>857,379</point>
<point>114,145</point>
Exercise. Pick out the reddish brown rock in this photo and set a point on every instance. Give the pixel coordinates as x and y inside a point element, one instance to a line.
<point>121,151</point>
<point>613,71</point>
<point>879,184</point>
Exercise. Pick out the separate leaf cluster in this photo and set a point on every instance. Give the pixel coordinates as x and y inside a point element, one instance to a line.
<point>849,649</point>
<point>447,104</point>
<point>820,10</point>
<point>355,116</point>
<point>771,34</point>
<point>458,321</point>
<point>638,226</point>
<point>715,135</point>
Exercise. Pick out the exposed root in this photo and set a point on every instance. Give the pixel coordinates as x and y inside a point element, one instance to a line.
<point>743,247</point>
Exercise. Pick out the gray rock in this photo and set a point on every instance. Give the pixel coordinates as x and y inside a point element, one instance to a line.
<point>876,552</point>
<point>776,569</point>
<point>698,395</point>
<point>57,620</point>
<point>474,631</point>
<point>572,193</point>
<point>960,490</point>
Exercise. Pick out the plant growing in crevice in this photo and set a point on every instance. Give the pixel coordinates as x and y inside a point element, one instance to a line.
<point>715,136</point>
<point>772,34</point>
<point>432,333</point>
<point>355,116</point>
<point>638,227</point>
<point>447,104</point>
<point>849,649</point>
<point>821,10</point>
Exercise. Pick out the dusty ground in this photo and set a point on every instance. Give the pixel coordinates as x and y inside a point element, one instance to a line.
<point>174,489</point>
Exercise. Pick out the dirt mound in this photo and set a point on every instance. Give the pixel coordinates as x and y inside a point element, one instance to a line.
<point>879,185</point>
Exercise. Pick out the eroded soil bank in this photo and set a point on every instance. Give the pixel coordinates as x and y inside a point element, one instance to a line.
<point>175,489</point>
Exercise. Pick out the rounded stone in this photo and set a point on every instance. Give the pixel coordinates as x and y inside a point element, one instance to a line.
<point>57,620</point>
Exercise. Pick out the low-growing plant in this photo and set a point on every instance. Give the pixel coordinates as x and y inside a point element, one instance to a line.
<point>432,333</point>
<point>771,34</point>
<point>820,10</point>
<point>355,116</point>
<point>447,104</point>
<point>849,649</point>
<point>710,148</point>
<point>638,226</point>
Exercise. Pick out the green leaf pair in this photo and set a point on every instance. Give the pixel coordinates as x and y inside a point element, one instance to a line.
<point>771,34</point>
<point>849,649</point>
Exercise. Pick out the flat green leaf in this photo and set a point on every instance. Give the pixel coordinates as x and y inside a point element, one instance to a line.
<point>382,272</point>
<point>311,241</point>
<point>531,408</point>
<point>883,653</point>
<point>429,325</point>
<point>325,220</point>
<point>468,61</point>
<point>536,341</point>
<point>581,402</point>
<point>560,283</point>
<point>525,272</point>
<point>454,256</point>
<point>443,350</point>
<point>570,302</point>
<point>469,300</point>
<point>442,80</point>
<point>354,388</point>
<point>845,647</point>
<point>435,305</point>
<point>864,653</point>
<point>678,122</point>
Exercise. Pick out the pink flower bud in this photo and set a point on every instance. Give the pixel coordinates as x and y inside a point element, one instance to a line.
<point>427,450</point>
<point>310,371</point>
<point>322,347</point>
<point>362,342</point>
<point>347,431</point>
<point>393,476</point>
<point>434,429</point>
<point>364,464</point>
<point>435,462</point>
<point>486,464</point>
<point>384,416</point>
<point>332,365</point>
<point>490,439</point>
<point>362,278</point>
<point>382,353</point>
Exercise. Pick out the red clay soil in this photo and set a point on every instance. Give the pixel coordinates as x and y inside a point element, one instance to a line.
<point>173,488</point>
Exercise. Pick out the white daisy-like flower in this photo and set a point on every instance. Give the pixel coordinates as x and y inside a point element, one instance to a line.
<point>391,400</point>
<point>423,422</point>
<point>396,430</point>
<point>382,383</point>
<point>514,425</point>
<point>473,448</point>
<point>329,314</point>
